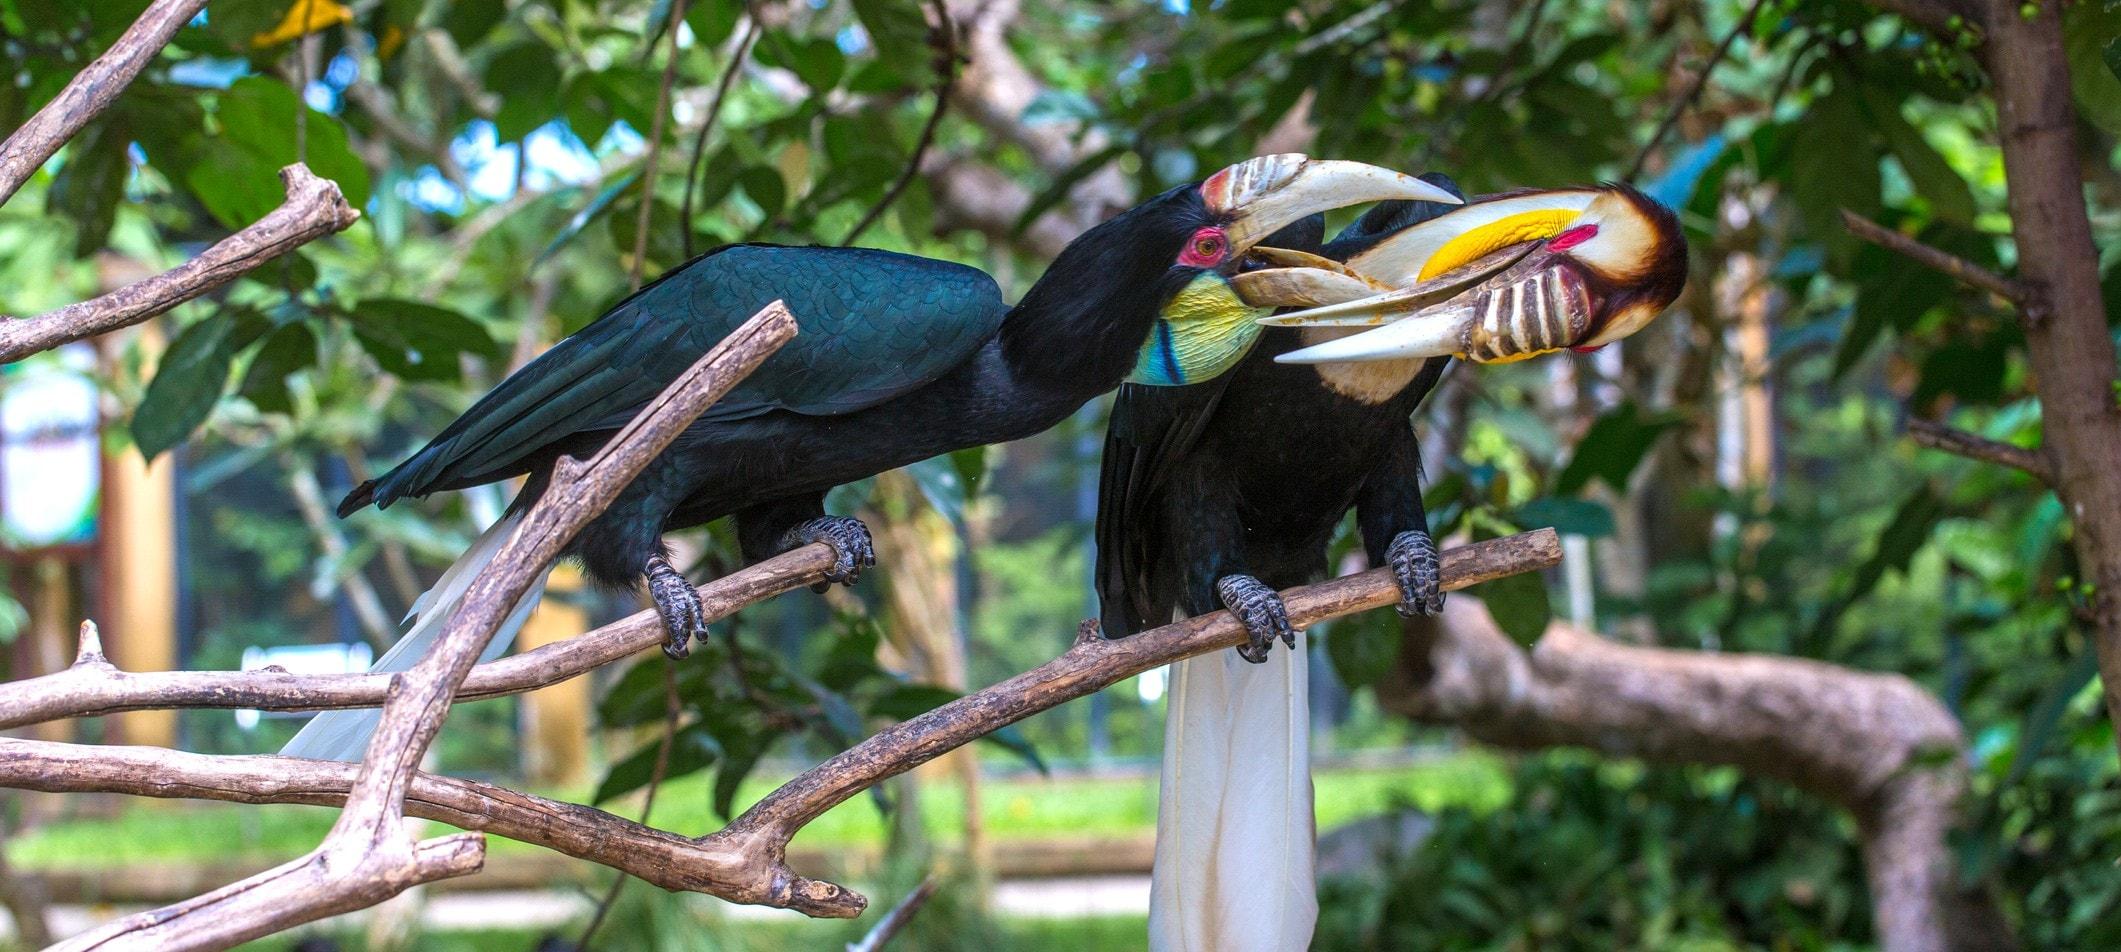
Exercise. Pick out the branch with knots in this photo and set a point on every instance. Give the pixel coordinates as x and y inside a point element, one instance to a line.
<point>314,206</point>
<point>364,861</point>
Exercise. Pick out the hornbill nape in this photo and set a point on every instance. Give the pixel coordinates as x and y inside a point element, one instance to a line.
<point>898,358</point>
<point>1216,495</point>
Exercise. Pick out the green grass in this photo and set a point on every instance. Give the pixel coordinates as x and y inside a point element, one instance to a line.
<point>1016,809</point>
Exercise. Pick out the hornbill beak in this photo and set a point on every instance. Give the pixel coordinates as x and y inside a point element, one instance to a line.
<point>1262,195</point>
<point>1515,276</point>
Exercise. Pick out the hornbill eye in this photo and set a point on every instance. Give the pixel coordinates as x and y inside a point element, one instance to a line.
<point>1205,249</point>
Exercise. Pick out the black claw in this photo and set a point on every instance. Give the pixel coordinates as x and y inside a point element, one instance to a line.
<point>1419,569</point>
<point>684,619</point>
<point>1261,609</point>
<point>850,543</point>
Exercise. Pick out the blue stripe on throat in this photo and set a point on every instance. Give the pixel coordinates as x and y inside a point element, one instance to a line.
<point>1167,352</point>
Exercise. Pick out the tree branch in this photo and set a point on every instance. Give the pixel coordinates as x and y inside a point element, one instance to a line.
<point>367,857</point>
<point>90,92</point>
<point>314,208</point>
<point>92,687</point>
<point>1867,742</point>
<point>1743,27</point>
<point>746,861</point>
<point>1936,258</point>
<point>946,58</point>
<point>1938,436</point>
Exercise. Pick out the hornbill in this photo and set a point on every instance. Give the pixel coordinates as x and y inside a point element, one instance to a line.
<point>898,358</point>
<point>1214,495</point>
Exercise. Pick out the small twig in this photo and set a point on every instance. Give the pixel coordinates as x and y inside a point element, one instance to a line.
<point>1743,27</point>
<point>1936,258</point>
<point>671,709</point>
<point>90,92</point>
<point>314,208</point>
<point>714,112</point>
<point>1938,436</point>
<point>897,919</point>
<point>655,148</point>
<point>946,75</point>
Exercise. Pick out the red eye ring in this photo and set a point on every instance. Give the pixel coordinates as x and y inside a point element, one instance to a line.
<point>1205,249</point>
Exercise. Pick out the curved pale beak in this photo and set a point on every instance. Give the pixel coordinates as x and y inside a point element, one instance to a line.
<point>1261,196</point>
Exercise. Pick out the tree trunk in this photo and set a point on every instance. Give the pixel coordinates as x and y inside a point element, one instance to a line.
<point>2065,320</point>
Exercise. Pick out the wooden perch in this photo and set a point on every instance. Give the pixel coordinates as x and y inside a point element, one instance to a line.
<point>90,92</point>
<point>367,857</point>
<point>314,208</point>
<point>93,686</point>
<point>746,861</point>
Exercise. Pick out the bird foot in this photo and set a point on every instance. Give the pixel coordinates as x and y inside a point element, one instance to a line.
<point>849,540</point>
<point>683,617</point>
<point>1419,569</point>
<point>1261,610</point>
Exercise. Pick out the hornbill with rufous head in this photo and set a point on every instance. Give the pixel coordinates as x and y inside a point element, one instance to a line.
<point>1217,494</point>
<point>897,359</point>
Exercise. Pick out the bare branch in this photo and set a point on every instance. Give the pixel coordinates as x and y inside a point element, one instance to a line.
<point>314,208</point>
<point>1087,667</point>
<point>737,56</point>
<point>1952,265</point>
<point>1938,436</point>
<point>896,920</point>
<point>1875,744</point>
<point>90,92</point>
<point>366,857</point>
<point>94,690</point>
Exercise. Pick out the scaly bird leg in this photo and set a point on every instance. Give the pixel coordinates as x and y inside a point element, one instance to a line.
<point>1260,608</point>
<point>683,617</point>
<point>849,540</point>
<point>1419,569</point>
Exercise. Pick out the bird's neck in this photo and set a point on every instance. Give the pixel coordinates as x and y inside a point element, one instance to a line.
<point>1080,329</point>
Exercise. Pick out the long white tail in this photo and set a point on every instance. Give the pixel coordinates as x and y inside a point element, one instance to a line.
<point>1234,827</point>
<point>343,735</point>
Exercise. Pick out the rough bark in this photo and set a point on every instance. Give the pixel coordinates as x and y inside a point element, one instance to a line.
<point>1874,744</point>
<point>314,208</point>
<point>2063,314</point>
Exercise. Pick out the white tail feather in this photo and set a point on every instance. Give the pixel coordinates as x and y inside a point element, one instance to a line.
<point>1234,827</point>
<point>343,735</point>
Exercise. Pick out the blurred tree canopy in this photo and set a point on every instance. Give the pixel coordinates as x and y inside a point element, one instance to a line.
<point>1737,465</point>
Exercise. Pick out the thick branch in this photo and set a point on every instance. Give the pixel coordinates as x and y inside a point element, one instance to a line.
<point>1092,664</point>
<point>664,859</point>
<point>1938,436</point>
<point>314,208</point>
<point>1952,265</point>
<point>90,92</point>
<point>366,857</point>
<point>92,688</point>
<point>1864,741</point>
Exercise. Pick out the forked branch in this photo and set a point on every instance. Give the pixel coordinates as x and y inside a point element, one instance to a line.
<point>314,208</point>
<point>367,857</point>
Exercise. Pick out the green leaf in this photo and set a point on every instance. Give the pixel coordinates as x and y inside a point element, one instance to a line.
<point>1519,604</point>
<point>971,466</point>
<point>191,376</point>
<point>256,115</point>
<point>1889,293</point>
<point>528,79</point>
<point>1612,447</point>
<point>692,750</point>
<point>1904,536</point>
<point>2089,32</point>
<point>285,351</point>
<point>764,185</point>
<point>713,20</point>
<point>598,205</point>
<point>91,184</point>
<point>1834,165</point>
<point>2040,722</point>
<point>1933,176</point>
<point>419,341</point>
<point>817,62</point>
<point>900,34</point>
<point>1057,192</point>
<point>1570,516</point>
<point>1363,648</point>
